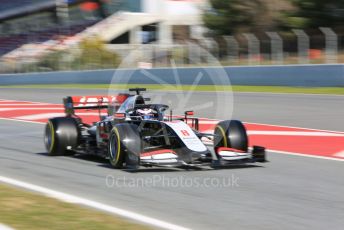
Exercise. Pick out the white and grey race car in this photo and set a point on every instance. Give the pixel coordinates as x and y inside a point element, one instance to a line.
<point>135,133</point>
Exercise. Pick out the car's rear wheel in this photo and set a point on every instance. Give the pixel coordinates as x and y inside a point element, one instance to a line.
<point>231,134</point>
<point>124,146</point>
<point>61,136</point>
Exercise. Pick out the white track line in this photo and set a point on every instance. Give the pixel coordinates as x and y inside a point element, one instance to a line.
<point>14,101</point>
<point>21,104</point>
<point>215,121</point>
<point>340,154</point>
<point>93,204</point>
<point>51,115</point>
<point>5,227</point>
<point>293,127</point>
<point>29,102</point>
<point>305,155</point>
<point>40,116</point>
<point>288,133</point>
<point>22,108</point>
<point>12,119</point>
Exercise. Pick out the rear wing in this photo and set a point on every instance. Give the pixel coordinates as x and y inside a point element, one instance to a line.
<point>72,103</point>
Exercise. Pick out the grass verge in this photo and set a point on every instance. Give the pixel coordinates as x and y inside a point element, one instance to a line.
<point>236,88</point>
<point>26,210</point>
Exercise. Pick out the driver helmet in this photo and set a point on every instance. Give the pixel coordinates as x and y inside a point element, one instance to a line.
<point>146,113</point>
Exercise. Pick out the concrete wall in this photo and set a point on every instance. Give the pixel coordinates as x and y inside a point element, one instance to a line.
<point>305,75</point>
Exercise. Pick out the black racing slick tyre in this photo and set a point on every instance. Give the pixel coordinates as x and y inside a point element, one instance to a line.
<point>124,146</point>
<point>61,136</point>
<point>231,134</point>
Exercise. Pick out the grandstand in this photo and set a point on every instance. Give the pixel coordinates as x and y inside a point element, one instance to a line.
<point>24,21</point>
<point>15,7</point>
<point>30,29</point>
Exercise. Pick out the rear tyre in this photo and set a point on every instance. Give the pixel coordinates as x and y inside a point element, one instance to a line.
<point>124,146</point>
<point>61,136</point>
<point>231,134</point>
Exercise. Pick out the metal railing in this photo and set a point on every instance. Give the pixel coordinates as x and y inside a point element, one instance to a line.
<point>246,49</point>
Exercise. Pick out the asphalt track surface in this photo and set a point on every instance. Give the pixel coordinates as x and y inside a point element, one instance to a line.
<point>290,192</point>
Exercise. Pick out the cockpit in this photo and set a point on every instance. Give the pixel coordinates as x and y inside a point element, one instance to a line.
<point>135,108</point>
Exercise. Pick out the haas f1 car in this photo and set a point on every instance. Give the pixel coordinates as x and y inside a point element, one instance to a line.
<point>135,133</point>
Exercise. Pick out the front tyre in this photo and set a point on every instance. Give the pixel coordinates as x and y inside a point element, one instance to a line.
<point>231,134</point>
<point>124,146</point>
<point>61,136</point>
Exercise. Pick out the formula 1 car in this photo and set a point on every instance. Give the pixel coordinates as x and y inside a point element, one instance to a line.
<point>135,133</point>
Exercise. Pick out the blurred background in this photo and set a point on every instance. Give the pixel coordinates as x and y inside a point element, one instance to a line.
<point>52,35</point>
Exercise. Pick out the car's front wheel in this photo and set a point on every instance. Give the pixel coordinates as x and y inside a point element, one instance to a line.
<point>124,146</point>
<point>231,134</point>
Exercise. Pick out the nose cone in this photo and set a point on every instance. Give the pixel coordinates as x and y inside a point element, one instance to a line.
<point>193,156</point>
